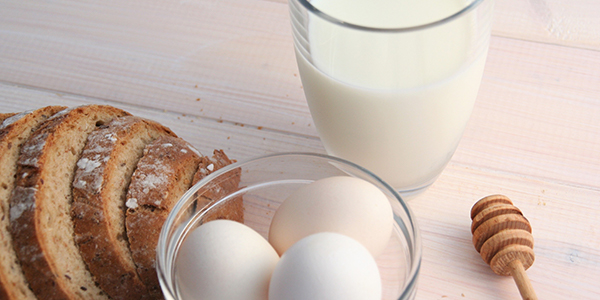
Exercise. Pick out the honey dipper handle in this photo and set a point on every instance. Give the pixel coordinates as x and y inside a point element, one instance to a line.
<point>518,273</point>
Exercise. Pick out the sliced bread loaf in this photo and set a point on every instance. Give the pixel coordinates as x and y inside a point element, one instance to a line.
<point>15,129</point>
<point>99,188</point>
<point>40,220</point>
<point>163,175</point>
<point>231,210</point>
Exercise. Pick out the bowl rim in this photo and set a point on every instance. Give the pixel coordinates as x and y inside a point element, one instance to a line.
<point>164,248</point>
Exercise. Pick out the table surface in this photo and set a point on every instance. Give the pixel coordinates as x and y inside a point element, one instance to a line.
<point>222,75</point>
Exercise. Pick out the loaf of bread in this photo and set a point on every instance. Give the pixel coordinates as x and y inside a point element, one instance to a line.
<point>99,191</point>
<point>40,217</point>
<point>84,193</point>
<point>15,129</point>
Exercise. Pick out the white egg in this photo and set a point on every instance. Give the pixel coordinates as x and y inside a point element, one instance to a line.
<point>326,266</point>
<point>223,260</point>
<point>341,204</point>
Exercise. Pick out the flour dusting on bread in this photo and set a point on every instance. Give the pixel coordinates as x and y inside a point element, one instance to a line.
<point>84,192</point>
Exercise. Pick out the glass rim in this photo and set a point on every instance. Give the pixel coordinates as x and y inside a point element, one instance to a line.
<point>436,23</point>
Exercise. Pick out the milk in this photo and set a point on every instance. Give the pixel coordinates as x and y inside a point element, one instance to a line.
<point>394,103</point>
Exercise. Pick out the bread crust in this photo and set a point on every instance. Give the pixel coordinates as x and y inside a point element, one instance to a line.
<point>232,209</point>
<point>4,116</point>
<point>163,175</point>
<point>99,189</point>
<point>67,245</point>
<point>41,200</point>
<point>13,133</point>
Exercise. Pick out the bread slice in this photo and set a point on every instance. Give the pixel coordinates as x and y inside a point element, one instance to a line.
<point>163,175</point>
<point>4,116</point>
<point>15,129</point>
<point>217,190</point>
<point>41,201</point>
<point>99,188</point>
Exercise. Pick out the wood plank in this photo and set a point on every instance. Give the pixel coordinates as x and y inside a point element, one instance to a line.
<point>564,224</point>
<point>553,132</point>
<point>537,114</point>
<point>239,141</point>
<point>562,215</point>
<point>153,52</point>
<point>173,56</point>
<point>560,22</point>
<point>227,60</point>
<point>222,75</point>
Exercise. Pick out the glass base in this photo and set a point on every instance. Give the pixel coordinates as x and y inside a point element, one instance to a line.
<point>413,193</point>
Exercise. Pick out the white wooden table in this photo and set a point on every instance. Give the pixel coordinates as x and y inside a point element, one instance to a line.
<point>222,74</point>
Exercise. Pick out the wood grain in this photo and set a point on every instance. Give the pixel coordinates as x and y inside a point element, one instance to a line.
<point>240,141</point>
<point>567,23</point>
<point>538,104</point>
<point>229,60</point>
<point>222,74</point>
<point>560,216</point>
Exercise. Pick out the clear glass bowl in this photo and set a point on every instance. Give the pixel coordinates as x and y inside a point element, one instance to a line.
<point>265,182</point>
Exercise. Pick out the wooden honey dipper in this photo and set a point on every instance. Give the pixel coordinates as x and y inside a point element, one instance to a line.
<point>502,235</point>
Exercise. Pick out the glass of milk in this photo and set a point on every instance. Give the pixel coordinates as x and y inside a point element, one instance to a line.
<point>391,83</point>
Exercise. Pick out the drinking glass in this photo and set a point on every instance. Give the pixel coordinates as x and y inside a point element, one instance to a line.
<point>391,84</point>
